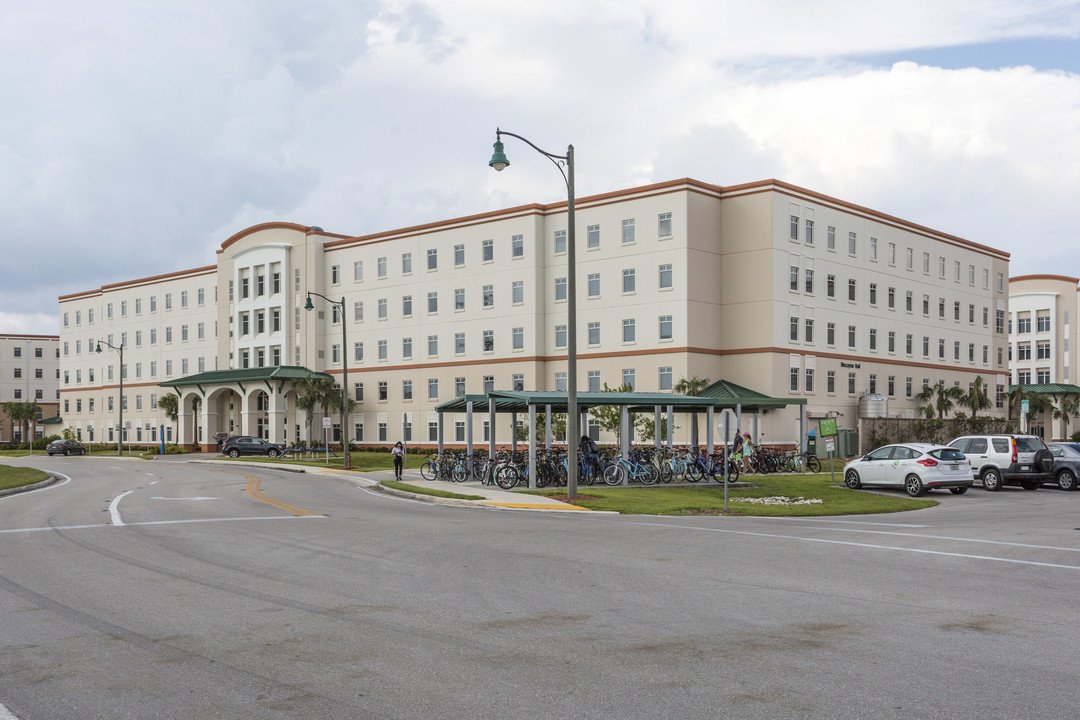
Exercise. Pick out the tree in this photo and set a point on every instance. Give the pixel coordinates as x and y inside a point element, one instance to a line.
<point>1037,402</point>
<point>692,387</point>
<point>22,413</point>
<point>608,416</point>
<point>1070,404</point>
<point>170,405</point>
<point>317,391</point>
<point>646,427</point>
<point>939,399</point>
<point>558,428</point>
<point>976,398</point>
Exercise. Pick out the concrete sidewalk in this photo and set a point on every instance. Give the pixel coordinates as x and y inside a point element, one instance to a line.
<point>493,495</point>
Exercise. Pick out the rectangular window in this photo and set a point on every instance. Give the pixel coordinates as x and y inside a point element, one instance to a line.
<point>406,348</point>
<point>358,271</point>
<point>358,352</point>
<point>873,293</point>
<point>908,301</point>
<point>406,263</point>
<point>873,249</point>
<point>489,296</point>
<point>809,380</point>
<point>851,243</point>
<point>830,285</point>
<point>459,299</point>
<point>809,240</point>
<point>560,289</point>
<point>665,327</point>
<point>851,336</point>
<point>851,383</point>
<point>560,382</point>
<point>909,342</point>
<point>793,374</point>
<point>382,350</point>
<point>489,341</point>
<point>830,238</point>
<point>517,246</point>
<point>433,259</point>
<point>382,309</point>
<point>432,302</point>
<point>383,390</point>
<point>459,256</point>
<point>594,333</point>
<point>629,334</point>
<point>489,383</point>
<point>560,336</point>
<point>793,278</point>
<point>358,312</point>
<point>517,292</point>
<point>851,289</point>
<point>406,389</point>
<point>793,227</point>
<point>664,225</point>
<point>892,298</point>
<point>380,268</point>
<point>873,339</point>
<point>665,276</point>
<point>593,283</point>
<point>830,382</point>
<point>560,242</point>
<point>593,237</point>
<point>892,341</point>
<point>487,251</point>
<point>830,334</point>
<point>627,231</point>
<point>793,328</point>
<point>594,381</point>
<point>459,387</point>
<point>809,287</point>
<point>809,328</point>
<point>518,336</point>
<point>629,281</point>
<point>459,343</point>
<point>433,388</point>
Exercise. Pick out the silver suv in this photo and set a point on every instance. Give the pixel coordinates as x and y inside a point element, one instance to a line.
<point>1000,460</point>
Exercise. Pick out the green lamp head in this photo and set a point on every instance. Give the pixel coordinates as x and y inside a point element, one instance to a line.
<point>498,158</point>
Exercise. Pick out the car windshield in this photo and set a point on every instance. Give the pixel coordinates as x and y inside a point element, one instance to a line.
<point>1029,444</point>
<point>947,454</point>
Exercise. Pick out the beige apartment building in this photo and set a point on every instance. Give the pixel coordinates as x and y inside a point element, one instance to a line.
<point>774,287</point>
<point>29,372</point>
<point>1042,323</point>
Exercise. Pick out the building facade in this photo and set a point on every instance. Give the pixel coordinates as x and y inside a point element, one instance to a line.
<point>772,286</point>
<point>29,372</point>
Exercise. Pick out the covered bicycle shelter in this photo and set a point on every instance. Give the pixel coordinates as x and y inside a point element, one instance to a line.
<point>722,394</point>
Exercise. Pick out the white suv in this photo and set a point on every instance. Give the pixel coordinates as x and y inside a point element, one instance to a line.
<point>1000,460</point>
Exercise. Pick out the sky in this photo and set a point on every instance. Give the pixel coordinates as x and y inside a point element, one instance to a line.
<point>136,137</point>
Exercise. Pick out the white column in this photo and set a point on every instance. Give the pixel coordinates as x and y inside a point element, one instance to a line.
<point>532,447</point>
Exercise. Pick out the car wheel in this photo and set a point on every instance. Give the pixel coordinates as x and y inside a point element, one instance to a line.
<point>958,491</point>
<point>1030,485</point>
<point>991,480</point>
<point>851,479</point>
<point>272,452</point>
<point>234,453</point>
<point>67,451</point>
<point>914,486</point>
<point>1066,480</point>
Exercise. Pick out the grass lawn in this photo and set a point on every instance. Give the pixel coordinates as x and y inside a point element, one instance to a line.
<point>361,461</point>
<point>685,499</point>
<point>11,477</point>
<point>424,490</point>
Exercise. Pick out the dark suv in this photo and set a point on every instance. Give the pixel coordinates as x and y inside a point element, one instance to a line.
<point>1000,460</point>
<point>239,445</point>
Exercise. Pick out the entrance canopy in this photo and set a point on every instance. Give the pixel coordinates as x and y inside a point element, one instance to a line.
<point>275,375</point>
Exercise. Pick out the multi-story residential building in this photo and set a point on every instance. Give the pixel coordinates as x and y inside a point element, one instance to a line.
<point>1042,322</point>
<point>774,287</point>
<point>29,371</point>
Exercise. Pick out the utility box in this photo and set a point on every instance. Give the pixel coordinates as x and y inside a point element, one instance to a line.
<point>847,442</point>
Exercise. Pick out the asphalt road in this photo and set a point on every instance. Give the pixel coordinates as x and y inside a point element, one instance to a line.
<point>168,590</point>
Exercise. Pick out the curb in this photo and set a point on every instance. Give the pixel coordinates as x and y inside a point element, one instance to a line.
<point>32,486</point>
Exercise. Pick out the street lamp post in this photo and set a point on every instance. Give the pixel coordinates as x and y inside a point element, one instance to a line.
<point>500,162</point>
<point>120,436</point>
<point>344,372</point>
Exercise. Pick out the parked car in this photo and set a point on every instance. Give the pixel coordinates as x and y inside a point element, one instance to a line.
<point>65,447</point>
<point>1000,460</point>
<point>239,445</point>
<point>1066,464</point>
<point>916,467</point>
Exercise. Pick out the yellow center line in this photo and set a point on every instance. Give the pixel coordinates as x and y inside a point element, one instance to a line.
<point>254,490</point>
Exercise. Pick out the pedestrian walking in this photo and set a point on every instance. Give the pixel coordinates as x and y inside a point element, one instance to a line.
<point>398,451</point>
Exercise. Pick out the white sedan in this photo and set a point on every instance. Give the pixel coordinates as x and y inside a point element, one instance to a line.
<point>916,467</point>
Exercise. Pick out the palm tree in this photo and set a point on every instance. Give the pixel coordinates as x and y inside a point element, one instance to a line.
<point>170,405</point>
<point>317,391</point>
<point>1069,406</point>
<point>939,399</point>
<point>977,399</point>
<point>23,412</point>
<point>692,387</point>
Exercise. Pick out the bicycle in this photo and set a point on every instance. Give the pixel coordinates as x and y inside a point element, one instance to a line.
<point>631,468</point>
<point>805,460</point>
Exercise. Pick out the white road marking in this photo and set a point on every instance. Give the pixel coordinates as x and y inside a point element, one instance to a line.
<point>190,498</point>
<point>157,522</point>
<point>154,483</point>
<point>872,546</point>
<point>150,474</point>
<point>6,714</point>
<point>114,508</point>
<point>847,522</point>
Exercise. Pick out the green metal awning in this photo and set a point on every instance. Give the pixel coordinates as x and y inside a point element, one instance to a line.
<point>279,374</point>
<point>55,420</point>
<point>727,394</point>
<point>1055,389</point>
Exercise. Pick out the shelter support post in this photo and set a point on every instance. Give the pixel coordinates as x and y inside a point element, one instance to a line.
<point>670,425</point>
<point>548,422</point>
<point>656,426</point>
<point>440,433</point>
<point>468,432</point>
<point>532,447</point>
<point>491,428</point>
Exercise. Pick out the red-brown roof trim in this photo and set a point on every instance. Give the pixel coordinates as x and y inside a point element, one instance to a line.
<point>1063,278</point>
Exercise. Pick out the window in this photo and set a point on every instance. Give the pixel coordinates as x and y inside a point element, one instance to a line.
<point>873,338</point>
<point>406,263</point>
<point>433,259</point>
<point>830,285</point>
<point>560,336</point>
<point>518,336</point>
<point>873,383</point>
<point>809,288</point>
<point>487,251</point>
<point>489,383</point>
<point>459,256</point>
<point>593,283</point>
<point>459,387</point>
<point>380,268</point>
<point>1023,325</point>
<point>926,305</point>
<point>489,341</point>
<point>941,267</point>
<point>892,254</point>
<point>809,380</point>
<point>593,237</point>
<point>665,327</point>
<point>908,301</point>
<point>909,341</point>
<point>406,305</point>
<point>629,333</point>
<point>999,321</point>
<point>830,334</point>
<point>335,353</point>
<point>941,349</point>
<point>892,298</point>
<point>926,263</point>
<point>560,242</point>
<point>809,232</point>
<point>1042,377</point>
<point>489,296</point>
<point>926,346</point>
<point>406,348</point>
<point>971,314</point>
<point>851,289</point>
<point>1042,323</point>
<point>873,249</point>
<point>956,311</point>
<point>956,271</point>
<point>382,308</point>
<point>123,309</point>
<point>459,299</point>
<point>793,374</point>
<point>809,330</point>
<point>629,281</point>
<point>358,312</point>
<point>432,302</point>
<point>830,382</point>
<point>517,292</point>
<point>1042,351</point>
<point>459,343</point>
<point>358,352</point>
<point>1023,351</point>
<point>594,381</point>
<point>793,278</point>
<point>383,394</point>
<point>873,293</point>
<point>892,341</point>
<point>793,328</point>
<point>560,289</point>
<point>382,350</point>
<point>851,336</point>
<point>664,225</point>
<point>665,277</point>
<point>851,243</point>
<point>971,352</point>
<point>830,238</point>
<point>433,388</point>
<point>517,246</point>
<point>594,333</point>
<point>627,231</point>
<point>851,383</point>
<point>406,389</point>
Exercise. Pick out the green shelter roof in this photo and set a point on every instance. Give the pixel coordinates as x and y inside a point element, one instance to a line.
<point>519,401</point>
<point>273,373</point>
<point>1049,389</point>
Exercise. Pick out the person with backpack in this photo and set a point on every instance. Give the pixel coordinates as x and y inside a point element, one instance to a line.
<point>591,453</point>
